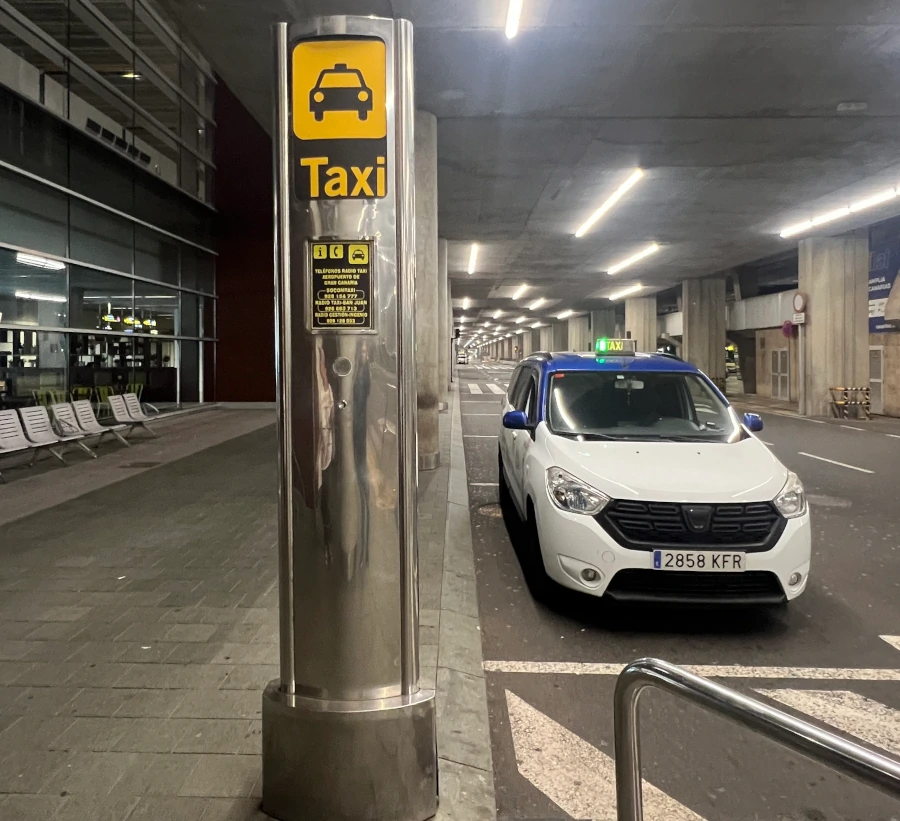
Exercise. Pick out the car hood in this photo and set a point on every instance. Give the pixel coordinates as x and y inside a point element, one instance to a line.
<point>744,471</point>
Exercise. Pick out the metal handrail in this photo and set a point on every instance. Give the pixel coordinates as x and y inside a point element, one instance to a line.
<point>841,755</point>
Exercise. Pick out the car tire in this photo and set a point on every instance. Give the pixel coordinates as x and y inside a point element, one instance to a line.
<point>543,588</point>
<point>506,500</point>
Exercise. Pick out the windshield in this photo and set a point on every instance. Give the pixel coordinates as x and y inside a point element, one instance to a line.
<point>614,405</point>
<point>340,79</point>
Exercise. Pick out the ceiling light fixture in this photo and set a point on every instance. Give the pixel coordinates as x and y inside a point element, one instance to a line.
<point>536,304</point>
<point>521,319</point>
<point>464,319</point>
<point>498,313</point>
<point>537,325</point>
<point>631,289</point>
<point>512,18</point>
<point>473,257</point>
<point>565,314</point>
<point>520,291</point>
<point>652,248</point>
<point>40,297</point>
<point>39,262</point>
<point>466,303</point>
<point>613,199</point>
<point>838,213</point>
<point>131,75</point>
<point>487,325</point>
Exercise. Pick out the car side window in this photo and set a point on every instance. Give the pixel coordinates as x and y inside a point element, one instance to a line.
<point>529,400</point>
<point>513,384</point>
<point>517,392</point>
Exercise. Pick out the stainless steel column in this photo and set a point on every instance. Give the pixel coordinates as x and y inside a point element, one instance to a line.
<point>347,732</point>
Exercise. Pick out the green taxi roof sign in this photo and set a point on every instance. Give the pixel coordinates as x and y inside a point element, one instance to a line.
<point>623,346</point>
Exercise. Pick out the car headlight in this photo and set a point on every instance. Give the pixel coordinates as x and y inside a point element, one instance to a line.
<point>573,495</point>
<point>791,502</point>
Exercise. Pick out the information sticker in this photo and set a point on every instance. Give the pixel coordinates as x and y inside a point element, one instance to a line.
<point>341,285</point>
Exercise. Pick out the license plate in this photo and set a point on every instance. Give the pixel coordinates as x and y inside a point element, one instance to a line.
<point>700,561</point>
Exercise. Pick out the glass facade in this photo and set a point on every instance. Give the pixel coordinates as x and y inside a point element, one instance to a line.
<point>107,266</point>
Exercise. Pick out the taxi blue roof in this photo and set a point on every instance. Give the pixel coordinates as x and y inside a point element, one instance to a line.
<point>639,362</point>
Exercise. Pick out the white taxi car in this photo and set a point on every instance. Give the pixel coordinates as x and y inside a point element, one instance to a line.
<point>637,481</point>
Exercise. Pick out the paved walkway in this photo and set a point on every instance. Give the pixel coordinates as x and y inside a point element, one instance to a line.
<point>138,627</point>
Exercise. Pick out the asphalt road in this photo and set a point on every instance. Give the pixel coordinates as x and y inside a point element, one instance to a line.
<point>551,726</point>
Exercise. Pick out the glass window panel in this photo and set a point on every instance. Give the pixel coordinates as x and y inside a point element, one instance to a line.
<point>209,317</point>
<point>101,238</point>
<point>190,372</point>
<point>190,314</point>
<point>100,174</point>
<point>32,215</point>
<point>32,139</point>
<point>156,256</point>
<point>209,371</point>
<point>155,309</point>
<point>155,375</point>
<point>99,300</point>
<point>32,290</point>
<point>32,367</point>
<point>100,364</point>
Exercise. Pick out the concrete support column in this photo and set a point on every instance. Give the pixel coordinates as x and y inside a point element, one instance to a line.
<point>579,334</point>
<point>703,334</point>
<point>445,326</point>
<point>834,346</point>
<point>547,338</point>
<point>427,319</point>
<point>641,322</point>
<point>525,347</point>
<point>603,323</point>
<point>560,336</point>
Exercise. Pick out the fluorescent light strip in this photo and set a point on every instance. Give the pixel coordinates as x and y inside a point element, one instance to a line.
<point>473,258</point>
<point>512,18</point>
<point>536,304</point>
<point>521,319</point>
<point>40,297</point>
<point>520,291</point>
<point>631,289</point>
<point>838,213</point>
<point>537,325</point>
<point>565,314</point>
<point>613,199</point>
<point>652,248</point>
<point>466,303</point>
<point>497,314</point>
<point>39,262</point>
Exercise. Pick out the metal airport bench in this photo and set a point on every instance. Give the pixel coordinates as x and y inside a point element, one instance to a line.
<point>29,429</point>
<point>79,417</point>
<point>126,410</point>
<point>846,757</point>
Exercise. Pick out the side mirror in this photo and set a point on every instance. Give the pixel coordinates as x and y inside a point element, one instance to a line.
<point>753,422</point>
<point>515,420</point>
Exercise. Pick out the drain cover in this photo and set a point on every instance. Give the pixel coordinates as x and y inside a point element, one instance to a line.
<point>138,465</point>
<point>493,511</point>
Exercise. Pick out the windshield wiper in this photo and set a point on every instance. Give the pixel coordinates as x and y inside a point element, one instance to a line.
<point>586,437</point>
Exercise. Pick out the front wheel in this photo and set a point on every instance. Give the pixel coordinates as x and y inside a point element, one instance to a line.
<point>506,502</point>
<point>542,587</point>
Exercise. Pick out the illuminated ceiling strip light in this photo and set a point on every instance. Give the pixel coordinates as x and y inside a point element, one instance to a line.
<point>512,18</point>
<point>520,291</point>
<point>613,199</point>
<point>565,314</point>
<point>473,258</point>
<point>498,313</point>
<point>464,319</point>
<point>39,262</point>
<point>521,319</point>
<point>631,289</point>
<point>652,248</point>
<point>40,297</point>
<point>466,303</point>
<point>537,325</point>
<point>838,213</point>
<point>536,304</point>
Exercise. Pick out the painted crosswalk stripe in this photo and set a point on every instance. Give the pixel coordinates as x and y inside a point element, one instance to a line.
<point>589,668</point>
<point>868,720</point>
<point>473,388</point>
<point>484,484</point>
<point>573,774</point>
<point>495,389</point>
<point>480,414</point>
<point>894,641</point>
<point>834,462</point>
<point>479,436</point>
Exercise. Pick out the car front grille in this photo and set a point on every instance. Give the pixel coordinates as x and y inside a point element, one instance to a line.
<point>678,587</point>
<point>753,527</point>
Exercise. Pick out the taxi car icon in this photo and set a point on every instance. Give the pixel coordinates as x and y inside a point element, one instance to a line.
<point>359,255</point>
<point>340,89</point>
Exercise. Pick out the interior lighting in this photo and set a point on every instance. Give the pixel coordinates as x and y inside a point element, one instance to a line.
<point>631,289</point>
<point>466,303</point>
<point>40,297</point>
<point>610,202</point>
<point>536,304</point>
<point>131,75</point>
<point>652,248</point>
<point>39,262</point>
<point>537,325</point>
<point>838,213</point>
<point>512,18</point>
<point>498,313</point>
<point>473,257</point>
<point>520,292</point>
<point>464,319</point>
<point>565,314</point>
<point>521,319</point>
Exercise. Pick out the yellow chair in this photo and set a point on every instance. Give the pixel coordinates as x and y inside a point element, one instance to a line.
<point>81,392</point>
<point>136,388</point>
<point>102,394</point>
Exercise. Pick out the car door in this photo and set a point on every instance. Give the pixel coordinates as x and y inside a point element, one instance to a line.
<point>508,404</point>
<point>522,440</point>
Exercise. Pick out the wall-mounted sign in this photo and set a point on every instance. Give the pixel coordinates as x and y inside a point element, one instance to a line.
<point>884,285</point>
<point>339,118</point>
<point>340,281</point>
<point>799,318</point>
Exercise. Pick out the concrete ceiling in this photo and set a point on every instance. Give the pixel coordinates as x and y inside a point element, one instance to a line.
<point>730,106</point>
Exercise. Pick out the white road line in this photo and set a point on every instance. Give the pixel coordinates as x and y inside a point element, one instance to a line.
<point>770,444</point>
<point>573,774</point>
<point>894,641</point>
<point>850,427</point>
<point>833,462</point>
<point>585,668</point>
<point>495,389</point>
<point>893,435</point>
<point>868,720</point>
<point>480,414</point>
<point>484,484</point>
<point>473,388</point>
<point>800,418</point>
<point>479,436</point>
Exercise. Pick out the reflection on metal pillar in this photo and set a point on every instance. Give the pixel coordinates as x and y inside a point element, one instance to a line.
<point>347,732</point>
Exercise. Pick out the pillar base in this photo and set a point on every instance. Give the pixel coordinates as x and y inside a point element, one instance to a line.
<point>429,461</point>
<point>349,761</point>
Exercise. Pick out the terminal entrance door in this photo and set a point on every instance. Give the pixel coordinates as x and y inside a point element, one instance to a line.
<point>781,376</point>
<point>876,379</point>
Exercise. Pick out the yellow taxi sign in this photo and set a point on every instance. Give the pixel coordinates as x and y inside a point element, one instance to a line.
<point>605,345</point>
<point>339,118</point>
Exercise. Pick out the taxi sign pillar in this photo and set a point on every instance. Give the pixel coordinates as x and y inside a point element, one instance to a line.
<point>347,732</point>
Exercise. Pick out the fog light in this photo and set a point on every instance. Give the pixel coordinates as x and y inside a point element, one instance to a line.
<point>795,579</point>
<point>589,575</point>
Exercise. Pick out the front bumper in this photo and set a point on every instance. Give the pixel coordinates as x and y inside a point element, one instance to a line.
<point>572,543</point>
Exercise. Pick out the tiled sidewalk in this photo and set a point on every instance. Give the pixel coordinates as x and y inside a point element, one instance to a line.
<point>138,626</point>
